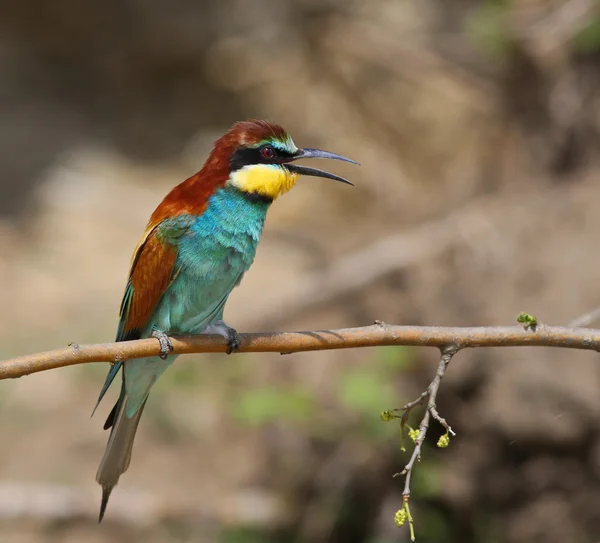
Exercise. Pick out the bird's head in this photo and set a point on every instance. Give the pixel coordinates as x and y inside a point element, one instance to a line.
<point>262,159</point>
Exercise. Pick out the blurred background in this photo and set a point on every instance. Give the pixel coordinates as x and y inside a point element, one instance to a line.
<point>477,126</point>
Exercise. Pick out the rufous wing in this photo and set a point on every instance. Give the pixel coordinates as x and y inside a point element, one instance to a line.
<point>152,270</point>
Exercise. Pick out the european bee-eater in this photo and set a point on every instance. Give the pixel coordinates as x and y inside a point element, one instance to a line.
<point>198,244</point>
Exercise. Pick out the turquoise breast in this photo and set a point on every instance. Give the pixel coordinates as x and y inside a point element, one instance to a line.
<point>213,255</point>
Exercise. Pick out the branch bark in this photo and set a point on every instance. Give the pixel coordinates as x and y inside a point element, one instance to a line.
<point>379,334</point>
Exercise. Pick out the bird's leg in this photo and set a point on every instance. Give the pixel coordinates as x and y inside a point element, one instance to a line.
<point>165,343</point>
<point>230,334</point>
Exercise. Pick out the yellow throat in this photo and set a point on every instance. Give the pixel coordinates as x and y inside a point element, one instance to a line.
<point>268,180</point>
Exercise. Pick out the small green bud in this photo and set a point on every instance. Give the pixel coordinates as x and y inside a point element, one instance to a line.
<point>400,517</point>
<point>443,441</point>
<point>530,321</point>
<point>413,433</point>
<point>387,415</point>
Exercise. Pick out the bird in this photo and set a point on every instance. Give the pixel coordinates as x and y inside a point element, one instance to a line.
<point>198,244</point>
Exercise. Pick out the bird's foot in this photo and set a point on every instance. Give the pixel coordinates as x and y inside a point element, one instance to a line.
<point>230,334</point>
<point>233,341</point>
<point>165,343</point>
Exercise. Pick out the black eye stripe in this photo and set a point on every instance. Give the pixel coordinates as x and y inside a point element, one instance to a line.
<point>245,156</point>
<point>242,157</point>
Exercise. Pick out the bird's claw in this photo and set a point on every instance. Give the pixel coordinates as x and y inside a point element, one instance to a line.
<point>233,340</point>
<point>165,343</point>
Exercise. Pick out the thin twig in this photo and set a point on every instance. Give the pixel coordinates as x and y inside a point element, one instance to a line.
<point>432,390</point>
<point>447,353</point>
<point>286,342</point>
<point>416,455</point>
<point>410,405</point>
<point>445,359</point>
<point>393,414</point>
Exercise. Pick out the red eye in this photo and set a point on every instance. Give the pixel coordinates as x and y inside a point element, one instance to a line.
<point>267,152</point>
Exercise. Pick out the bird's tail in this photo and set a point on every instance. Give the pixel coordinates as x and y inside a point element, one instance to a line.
<point>118,449</point>
<point>139,375</point>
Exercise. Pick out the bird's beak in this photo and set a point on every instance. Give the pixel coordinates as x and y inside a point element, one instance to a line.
<point>315,172</point>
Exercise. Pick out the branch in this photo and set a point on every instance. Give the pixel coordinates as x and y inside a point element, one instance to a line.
<point>448,340</point>
<point>431,411</point>
<point>378,334</point>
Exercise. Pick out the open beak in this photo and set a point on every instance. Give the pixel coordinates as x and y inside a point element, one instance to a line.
<point>315,172</point>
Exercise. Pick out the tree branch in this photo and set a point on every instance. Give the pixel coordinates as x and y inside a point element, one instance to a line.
<point>431,411</point>
<point>378,334</point>
<point>448,340</point>
<point>419,435</point>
